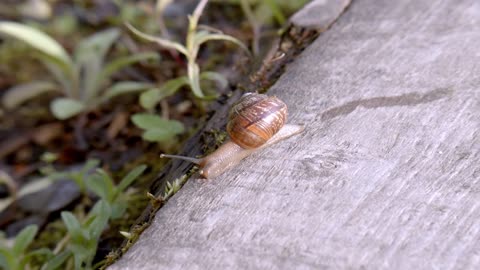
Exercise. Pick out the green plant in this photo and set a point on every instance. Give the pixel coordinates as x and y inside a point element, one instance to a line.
<point>264,12</point>
<point>84,235</point>
<point>82,242</point>
<point>84,79</point>
<point>196,36</point>
<point>79,176</point>
<point>14,254</point>
<point>113,195</point>
<point>99,182</point>
<point>156,128</point>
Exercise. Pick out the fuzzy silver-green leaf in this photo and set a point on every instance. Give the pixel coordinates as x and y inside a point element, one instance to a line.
<point>36,39</point>
<point>64,108</point>
<point>150,98</point>
<point>24,92</point>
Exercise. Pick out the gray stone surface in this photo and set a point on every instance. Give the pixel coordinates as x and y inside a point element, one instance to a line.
<point>386,175</point>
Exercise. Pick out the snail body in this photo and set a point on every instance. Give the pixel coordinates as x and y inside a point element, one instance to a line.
<point>255,122</point>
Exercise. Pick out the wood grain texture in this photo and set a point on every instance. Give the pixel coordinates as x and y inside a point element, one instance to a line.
<point>386,175</point>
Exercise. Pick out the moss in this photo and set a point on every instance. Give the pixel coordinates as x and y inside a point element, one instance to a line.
<point>219,137</point>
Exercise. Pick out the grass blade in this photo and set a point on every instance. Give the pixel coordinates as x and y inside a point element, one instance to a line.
<point>200,39</point>
<point>160,41</point>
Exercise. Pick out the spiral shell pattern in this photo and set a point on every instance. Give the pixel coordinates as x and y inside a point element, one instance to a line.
<point>255,119</point>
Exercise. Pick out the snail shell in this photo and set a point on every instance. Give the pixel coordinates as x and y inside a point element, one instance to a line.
<point>255,118</point>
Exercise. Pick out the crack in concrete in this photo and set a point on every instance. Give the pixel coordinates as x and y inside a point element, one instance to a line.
<point>409,99</point>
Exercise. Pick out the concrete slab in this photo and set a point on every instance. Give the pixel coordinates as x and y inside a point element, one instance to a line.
<point>386,175</point>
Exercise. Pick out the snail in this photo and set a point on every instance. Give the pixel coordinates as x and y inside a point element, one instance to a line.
<point>256,121</point>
